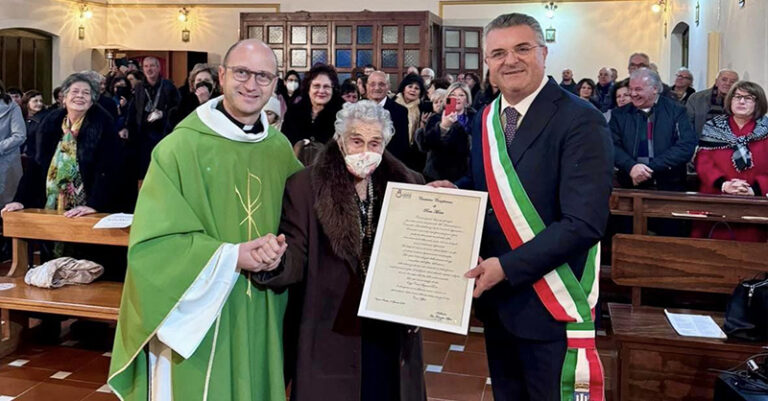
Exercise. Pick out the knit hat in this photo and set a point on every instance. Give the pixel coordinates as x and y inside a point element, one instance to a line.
<point>273,105</point>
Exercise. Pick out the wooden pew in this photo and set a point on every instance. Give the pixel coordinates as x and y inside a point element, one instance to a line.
<point>642,205</point>
<point>654,362</point>
<point>98,300</point>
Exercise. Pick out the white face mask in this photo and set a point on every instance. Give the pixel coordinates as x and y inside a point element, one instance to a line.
<point>361,165</point>
<point>292,85</point>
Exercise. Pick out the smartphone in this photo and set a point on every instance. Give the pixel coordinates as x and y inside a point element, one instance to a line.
<point>426,106</point>
<point>450,105</point>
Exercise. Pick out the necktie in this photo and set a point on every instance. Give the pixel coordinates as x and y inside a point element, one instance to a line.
<point>510,128</point>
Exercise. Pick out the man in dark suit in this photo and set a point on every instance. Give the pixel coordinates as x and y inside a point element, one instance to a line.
<point>148,115</point>
<point>560,149</point>
<point>653,137</point>
<point>376,89</point>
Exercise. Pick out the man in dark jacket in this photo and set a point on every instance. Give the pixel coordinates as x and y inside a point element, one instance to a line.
<point>568,83</point>
<point>560,150</point>
<point>604,90</point>
<point>376,89</point>
<point>652,137</point>
<point>703,105</point>
<point>148,116</point>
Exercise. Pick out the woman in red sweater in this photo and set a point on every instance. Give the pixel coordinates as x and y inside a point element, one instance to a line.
<point>732,157</point>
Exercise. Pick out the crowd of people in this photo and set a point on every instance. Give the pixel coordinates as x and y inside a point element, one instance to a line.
<point>105,142</point>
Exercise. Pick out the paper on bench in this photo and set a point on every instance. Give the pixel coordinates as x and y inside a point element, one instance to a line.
<point>117,220</point>
<point>694,325</point>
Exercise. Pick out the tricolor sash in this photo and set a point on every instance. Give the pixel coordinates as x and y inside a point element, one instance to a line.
<point>566,298</point>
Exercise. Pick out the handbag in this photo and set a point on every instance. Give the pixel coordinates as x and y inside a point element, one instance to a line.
<point>746,317</point>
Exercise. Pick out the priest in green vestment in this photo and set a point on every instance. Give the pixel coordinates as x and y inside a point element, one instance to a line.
<point>191,325</point>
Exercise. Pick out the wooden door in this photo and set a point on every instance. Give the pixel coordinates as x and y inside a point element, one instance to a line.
<point>463,50</point>
<point>25,61</point>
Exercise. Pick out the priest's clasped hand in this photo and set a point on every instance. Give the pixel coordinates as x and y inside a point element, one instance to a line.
<point>263,253</point>
<point>487,274</point>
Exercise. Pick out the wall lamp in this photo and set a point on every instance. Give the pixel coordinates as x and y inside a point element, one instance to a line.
<point>551,7</point>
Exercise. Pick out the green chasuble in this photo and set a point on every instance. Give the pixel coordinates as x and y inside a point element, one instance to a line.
<point>203,190</point>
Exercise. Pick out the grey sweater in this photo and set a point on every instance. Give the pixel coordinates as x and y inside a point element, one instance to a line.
<point>13,133</point>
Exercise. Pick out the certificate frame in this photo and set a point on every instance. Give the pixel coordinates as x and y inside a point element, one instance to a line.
<point>377,273</point>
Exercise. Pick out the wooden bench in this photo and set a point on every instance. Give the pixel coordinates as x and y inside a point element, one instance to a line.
<point>654,362</point>
<point>641,205</point>
<point>98,300</point>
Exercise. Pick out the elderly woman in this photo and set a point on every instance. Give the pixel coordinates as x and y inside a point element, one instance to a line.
<point>78,154</point>
<point>732,157</point>
<point>330,211</point>
<point>446,137</point>
<point>314,115</point>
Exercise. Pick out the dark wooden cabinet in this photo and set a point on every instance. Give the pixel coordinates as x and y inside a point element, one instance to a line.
<point>391,41</point>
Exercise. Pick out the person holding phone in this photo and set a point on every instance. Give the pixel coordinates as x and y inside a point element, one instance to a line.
<point>446,137</point>
<point>203,87</point>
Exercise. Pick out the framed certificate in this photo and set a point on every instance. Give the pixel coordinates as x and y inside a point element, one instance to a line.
<point>426,239</point>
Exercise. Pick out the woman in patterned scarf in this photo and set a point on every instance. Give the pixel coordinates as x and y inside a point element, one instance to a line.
<point>732,157</point>
<point>78,153</point>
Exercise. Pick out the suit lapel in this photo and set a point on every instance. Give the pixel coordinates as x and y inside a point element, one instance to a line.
<point>535,120</point>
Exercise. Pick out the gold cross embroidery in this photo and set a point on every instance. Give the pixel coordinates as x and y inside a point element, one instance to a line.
<point>250,206</point>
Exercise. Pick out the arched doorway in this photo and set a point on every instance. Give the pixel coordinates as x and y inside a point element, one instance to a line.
<point>26,60</point>
<point>679,47</point>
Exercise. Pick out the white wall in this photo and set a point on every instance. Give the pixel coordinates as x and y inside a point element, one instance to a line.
<point>743,38</point>
<point>61,20</point>
<point>589,35</point>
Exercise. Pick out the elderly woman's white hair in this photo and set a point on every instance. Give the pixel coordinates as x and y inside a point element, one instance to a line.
<point>366,111</point>
<point>438,95</point>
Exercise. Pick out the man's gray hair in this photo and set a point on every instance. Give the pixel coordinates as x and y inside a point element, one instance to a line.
<point>652,76</point>
<point>366,111</point>
<point>82,77</point>
<point>641,54</point>
<point>687,71</point>
<point>429,71</point>
<point>157,60</point>
<point>724,70</point>
<point>516,19</point>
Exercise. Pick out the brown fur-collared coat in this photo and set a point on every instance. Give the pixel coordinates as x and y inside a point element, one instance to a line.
<point>323,342</point>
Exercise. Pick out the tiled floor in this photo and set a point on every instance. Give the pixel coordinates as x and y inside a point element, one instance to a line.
<point>456,367</point>
<point>456,370</point>
<point>54,373</point>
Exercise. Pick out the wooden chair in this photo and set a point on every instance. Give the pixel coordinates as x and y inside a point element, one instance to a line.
<point>654,362</point>
<point>98,300</point>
